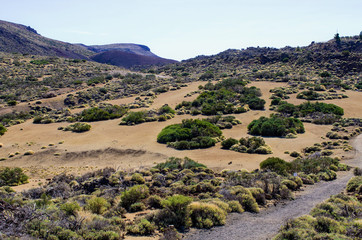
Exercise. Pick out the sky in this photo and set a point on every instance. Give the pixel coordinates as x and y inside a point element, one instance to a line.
<point>182,29</point>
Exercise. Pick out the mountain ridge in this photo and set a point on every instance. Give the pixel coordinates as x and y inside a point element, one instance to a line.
<point>26,40</point>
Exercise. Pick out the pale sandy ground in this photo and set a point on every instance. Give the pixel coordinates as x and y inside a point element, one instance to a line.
<point>131,147</point>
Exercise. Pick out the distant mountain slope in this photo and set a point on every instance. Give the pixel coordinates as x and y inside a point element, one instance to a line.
<point>17,38</point>
<point>129,59</point>
<point>21,39</point>
<point>124,47</point>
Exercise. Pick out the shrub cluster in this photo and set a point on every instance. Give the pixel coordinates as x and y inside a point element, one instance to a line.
<point>224,122</point>
<point>247,145</point>
<point>179,192</point>
<point>78,127</point>
<point>318,113</point>
<point>12,177</point>
<point>226,97</point>
<point>162,114</point>
<point>190,134</point>
<point>313,95</point>
<point>275,126</point>
<point>104,112</point>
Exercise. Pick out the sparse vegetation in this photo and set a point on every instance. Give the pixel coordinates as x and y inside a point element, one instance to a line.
<point>226,97</point>
<point>109,203</point>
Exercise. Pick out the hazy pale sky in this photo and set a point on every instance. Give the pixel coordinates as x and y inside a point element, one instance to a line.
<point>181,29</point>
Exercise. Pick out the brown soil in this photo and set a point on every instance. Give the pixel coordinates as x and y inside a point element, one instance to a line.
<point>129,147</point>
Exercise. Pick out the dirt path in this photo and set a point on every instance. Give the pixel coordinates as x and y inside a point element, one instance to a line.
<point>266,224</point>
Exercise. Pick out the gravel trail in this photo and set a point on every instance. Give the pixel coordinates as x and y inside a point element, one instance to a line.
<point>266,224</point>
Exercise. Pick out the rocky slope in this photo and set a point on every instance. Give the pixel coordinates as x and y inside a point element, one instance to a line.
<point>17,38</point>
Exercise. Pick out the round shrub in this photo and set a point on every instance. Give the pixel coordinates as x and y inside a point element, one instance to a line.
<point>143,228</point>
<point>248,202</point>
<point>78,127</point>
<point>228,143</point>
<point>290,184</point>
<point>29,152</point>
<point>138,178</point>
<point>176,207</point>
<point>135,118</point>
<point>206,215</point>
<point>190,134</point>
<point>133,195</point>
<point>354,183</point>
<point>97,205</point>
<point>295,154</point>
<point>275,126</point>
<point>258,194</point>
<point>235,206</point>
<point>70,208</point>
<point>328,225</point>
<point>276,164</point>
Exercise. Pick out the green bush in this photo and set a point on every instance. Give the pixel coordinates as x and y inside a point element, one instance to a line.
<point>327,175</point>
<point>275,126</point>
<point>206,215</point>
<point>78,127</point>
<point>313,165</point>
<point>309,108</point>
<point>176,206</point>
<point>290,184</point>
<point>99,235</point>
<point>2,129</point>
<point>276,164</point>
<point>179,163</point>
<point>102,113</point>
<point>259,195</point>
<point>165,109</point>
<point>138,178</point>
<point>354,183</point>
<point>235,206</point>
<point>328,225</point>
<point>70,208</point>
<point>133,195</point>
<point>197,133</point>
<point>135,117</point>
<point>12,177</point>
<point>225,97</point>
<point>248,202</point>
<point>97,205</point>
<point>252,145</point>
<point>228,143</point>
<point>143,228</point>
